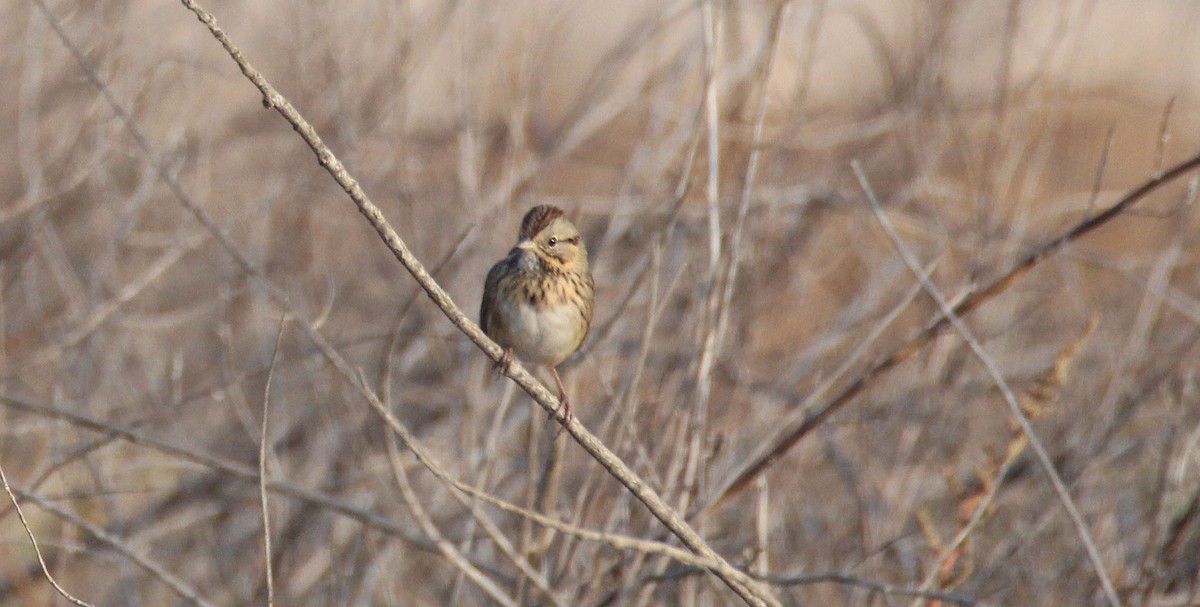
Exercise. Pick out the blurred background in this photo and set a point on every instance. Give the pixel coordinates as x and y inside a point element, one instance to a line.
<point>742,279</point>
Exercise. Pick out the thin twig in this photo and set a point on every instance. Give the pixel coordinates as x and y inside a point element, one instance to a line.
<point>33,540</point>
<point>1164,135</point>
<point>852,580</point>
<point>739,223</point>
<point>621,542</point>
<point>1035,443</point>
<point>719,567</point>
<point>84,328</point>
<point>262,467</point>
<point>446,547</point>
<point>984,505</point>
<point>119,546</point>
<point>77,454</point>
<point>1098,179</point>
<point>848,361</point>
<point>693,475</point>
<point>762,528</point>
<point>712,114</point>
<point>797,425</point>
<point>219,465</point>
<point>489,527</point>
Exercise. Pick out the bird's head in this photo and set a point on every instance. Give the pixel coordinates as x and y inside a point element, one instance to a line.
<point>547,238</point>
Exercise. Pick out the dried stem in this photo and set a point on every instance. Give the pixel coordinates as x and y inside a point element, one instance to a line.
<point>262,467</point>
<point>33,540</point>
<point>797,425</point>
<point>1010,399</point>
<point>155,570</point>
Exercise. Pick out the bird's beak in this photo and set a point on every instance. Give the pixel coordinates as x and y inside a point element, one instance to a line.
<point>526,244</point>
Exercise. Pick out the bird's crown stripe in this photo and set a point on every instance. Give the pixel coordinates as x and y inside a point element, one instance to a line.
<point>538,218</point>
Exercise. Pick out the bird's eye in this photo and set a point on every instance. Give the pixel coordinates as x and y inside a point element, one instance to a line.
<point>553,241</point>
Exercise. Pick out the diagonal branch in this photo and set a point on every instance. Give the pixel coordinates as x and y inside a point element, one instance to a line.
<point>116,544</point>
<point>1035,443</point>
<point>753,594</point>
<point>33,540</point>
<point>798,424</point>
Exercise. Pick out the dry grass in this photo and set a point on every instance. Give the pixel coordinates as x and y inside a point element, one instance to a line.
<point>136,351</point>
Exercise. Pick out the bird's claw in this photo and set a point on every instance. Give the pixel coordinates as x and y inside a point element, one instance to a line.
<point>564,405</point>
<point>505,362</point>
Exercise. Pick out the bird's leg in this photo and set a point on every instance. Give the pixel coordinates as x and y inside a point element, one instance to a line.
<point>505,362</point>
<point>564,402</point>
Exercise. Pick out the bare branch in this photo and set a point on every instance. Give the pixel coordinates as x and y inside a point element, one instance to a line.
<point>797,425</point>
<point>33,541</point>
<point>1014,407</point>
<point>155,570</point>
<point>262,467</point>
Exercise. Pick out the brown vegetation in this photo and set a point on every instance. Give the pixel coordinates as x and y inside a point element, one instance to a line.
<point>742,282</point>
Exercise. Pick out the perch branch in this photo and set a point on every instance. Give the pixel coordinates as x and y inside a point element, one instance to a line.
<point>753,594</point>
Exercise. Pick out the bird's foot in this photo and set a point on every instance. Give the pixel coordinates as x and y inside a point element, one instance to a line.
<point>564,405</point>
<point>505,362</point>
